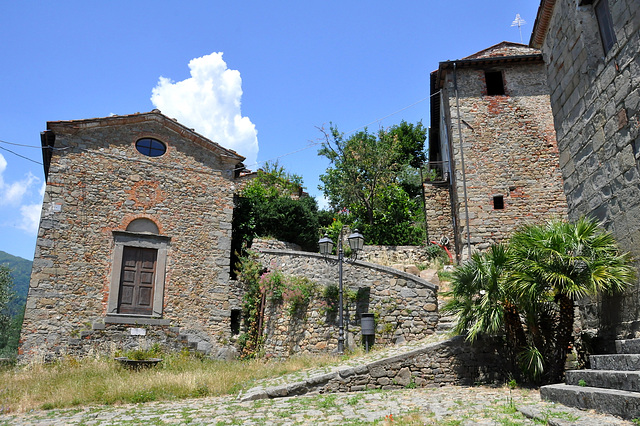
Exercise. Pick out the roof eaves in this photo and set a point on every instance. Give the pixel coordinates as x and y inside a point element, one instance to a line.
<point>541,26</point>
<point>154,115</point>
<point>483,62</point>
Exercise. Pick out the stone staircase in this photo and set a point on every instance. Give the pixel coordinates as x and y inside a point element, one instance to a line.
<point>612,385</point>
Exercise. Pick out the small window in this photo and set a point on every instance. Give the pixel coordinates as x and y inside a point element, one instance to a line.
<point>498,202</point>
<point>235,322</point>
<point>151,147</point>
<point>605,24</point>
<point>495,85</point>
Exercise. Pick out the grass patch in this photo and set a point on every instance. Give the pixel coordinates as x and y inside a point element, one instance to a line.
<point>71,383</point>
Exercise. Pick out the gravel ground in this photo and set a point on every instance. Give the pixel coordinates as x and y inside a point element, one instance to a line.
<point>452,405</point>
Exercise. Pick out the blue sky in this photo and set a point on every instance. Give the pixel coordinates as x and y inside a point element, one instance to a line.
<point>278,70</point>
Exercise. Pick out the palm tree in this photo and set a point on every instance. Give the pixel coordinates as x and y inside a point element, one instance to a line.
<point>563,262</point>
<point>481,300</point>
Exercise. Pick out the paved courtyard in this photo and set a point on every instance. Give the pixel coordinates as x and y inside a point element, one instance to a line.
<point>453,405</point>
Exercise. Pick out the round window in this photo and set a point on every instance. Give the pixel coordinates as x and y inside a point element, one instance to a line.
<point>151,147</point>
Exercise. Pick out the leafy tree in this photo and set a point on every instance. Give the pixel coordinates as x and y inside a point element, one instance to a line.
<point>272,204</point>
<point>527,289</point>
<point>370,177</point>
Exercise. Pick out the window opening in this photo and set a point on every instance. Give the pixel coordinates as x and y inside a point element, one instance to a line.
<point>498,202</point>
<point>495,84</point>
<point>605,25</point>
<point>151,147</point>
<point>235,322</point>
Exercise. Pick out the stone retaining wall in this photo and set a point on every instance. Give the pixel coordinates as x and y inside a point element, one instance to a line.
<point>451,362</point>
<point>405,306</point>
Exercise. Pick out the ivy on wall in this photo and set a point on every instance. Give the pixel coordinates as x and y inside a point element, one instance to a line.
<point>264,286</point>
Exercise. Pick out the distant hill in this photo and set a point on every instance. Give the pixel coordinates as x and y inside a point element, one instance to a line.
<point>21,273</point>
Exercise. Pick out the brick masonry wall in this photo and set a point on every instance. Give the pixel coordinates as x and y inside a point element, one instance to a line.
<point>98,182</point>
<point>596,107</point>
<point>509,151</point>
<point>405,306</point>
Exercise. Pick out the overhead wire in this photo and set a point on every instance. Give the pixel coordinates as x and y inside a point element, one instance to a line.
<point>21,156</point>
<point>310,145</point>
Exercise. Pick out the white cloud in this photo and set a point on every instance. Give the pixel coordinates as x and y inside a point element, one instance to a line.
<point>20,200</point>
<point>12,194</point>
<point>30,218</point>
<point>209,102</point>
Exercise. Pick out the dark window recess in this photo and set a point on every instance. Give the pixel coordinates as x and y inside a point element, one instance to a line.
<point>605,24</point>
<point>151,147</point>
<point>495,84</point>
<point>137,280</point>
<point>498,202</point>
<point>235,322</point>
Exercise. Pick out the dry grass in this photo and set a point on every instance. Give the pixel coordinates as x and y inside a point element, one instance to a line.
<point>70,383</point>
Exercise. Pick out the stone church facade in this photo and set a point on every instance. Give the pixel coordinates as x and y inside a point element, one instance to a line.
<point>134,240</point>
<point>592,52</point>
<point>492,149</point>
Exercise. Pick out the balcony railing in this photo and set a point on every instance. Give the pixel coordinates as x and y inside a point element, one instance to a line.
<point>436,172</point>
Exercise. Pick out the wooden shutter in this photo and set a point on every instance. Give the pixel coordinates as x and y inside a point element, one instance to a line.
<point>137,280</point>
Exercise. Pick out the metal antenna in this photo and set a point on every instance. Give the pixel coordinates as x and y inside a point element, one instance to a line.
<point>518,22</point>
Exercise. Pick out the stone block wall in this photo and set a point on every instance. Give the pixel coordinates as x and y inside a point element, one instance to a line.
<point>452,362</point>
<point>405,306</point>
<point>439,215</point>
<point>595,99</point>
<point>97,184</point>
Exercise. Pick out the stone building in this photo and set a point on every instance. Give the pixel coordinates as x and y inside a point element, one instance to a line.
<point>134,239</point>
<point>592,52</point>
<point>492,151</point>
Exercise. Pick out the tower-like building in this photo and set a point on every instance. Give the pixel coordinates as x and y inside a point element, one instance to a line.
<point>493,158</point>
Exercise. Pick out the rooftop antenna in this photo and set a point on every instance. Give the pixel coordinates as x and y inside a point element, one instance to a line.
<point>518,22</point>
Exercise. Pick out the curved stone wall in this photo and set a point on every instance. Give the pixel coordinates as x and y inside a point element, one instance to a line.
<point>405,306</point>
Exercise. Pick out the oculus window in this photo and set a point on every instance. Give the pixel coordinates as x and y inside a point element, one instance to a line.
<point>151,147</point>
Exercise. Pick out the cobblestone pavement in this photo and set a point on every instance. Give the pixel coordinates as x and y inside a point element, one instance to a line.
<point>452,405</point>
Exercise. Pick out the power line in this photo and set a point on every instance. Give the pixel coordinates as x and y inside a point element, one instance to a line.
<point>21,156</point>
<point>310,145</point>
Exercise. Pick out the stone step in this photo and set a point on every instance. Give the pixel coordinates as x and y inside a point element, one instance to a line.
<point>612,401</point>
<point>629,346</point>
<point>621,380</point>
<point>623,362</point>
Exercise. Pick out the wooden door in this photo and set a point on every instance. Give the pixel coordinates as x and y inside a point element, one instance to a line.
<point>137,280</point>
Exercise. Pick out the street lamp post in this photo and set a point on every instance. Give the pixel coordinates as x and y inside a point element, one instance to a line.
<point>356,242</point>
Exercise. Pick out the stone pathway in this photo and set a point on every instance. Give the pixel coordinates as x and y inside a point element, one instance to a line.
<point>452,405</point>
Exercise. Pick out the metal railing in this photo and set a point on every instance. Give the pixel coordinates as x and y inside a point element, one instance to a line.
<point>435,172</point>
